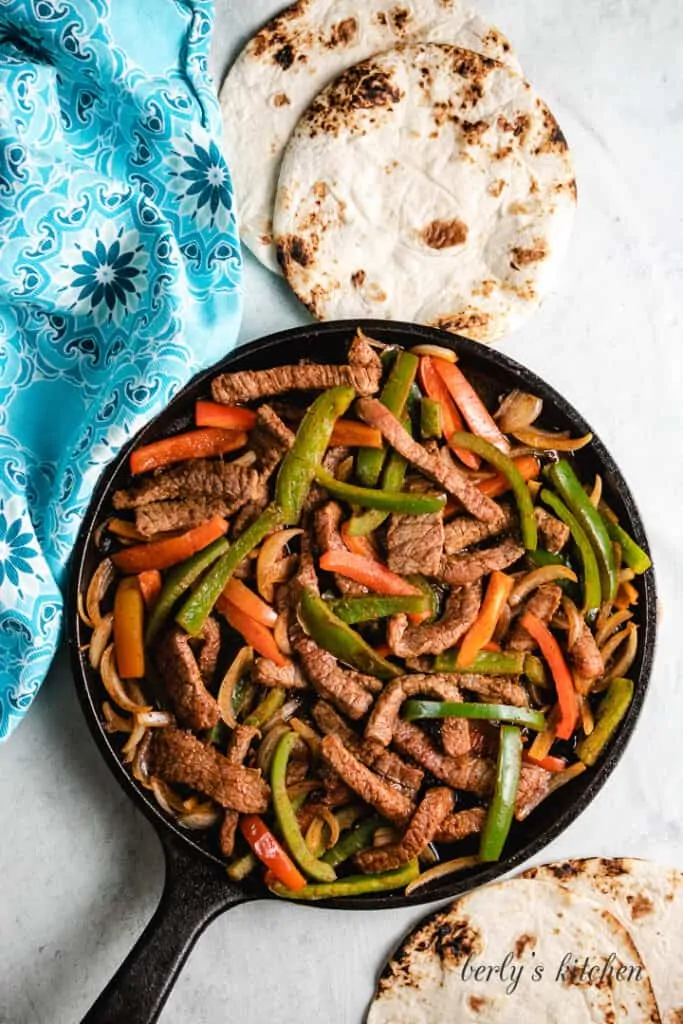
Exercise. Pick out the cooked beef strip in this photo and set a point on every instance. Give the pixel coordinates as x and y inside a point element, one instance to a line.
<point>327,520</point>
<point>363,374</point>
<point>163,516</point>
<point>585,656</point>
<point>270,439</point>
<point>386,764</point>
<point>207,478</point>
<point>238,748</point>
<point>182,681</point>
<point>388,801</point>
<point>415,543</point>
<point>180,757</point>
<point>455,735</point>
<point>461,569</point>
<point>461,824</point>
<point>553,532</point>
<point>534,784</point>
<point>464,531</point>
<point>450,477</point>
<point>460,611</point>
<point>436,804</point>
<point>495,689</point>
<point>381,724</point>
<point>209,649</point>
<point>252,509</point>
<point>266,673</point>
<point>543,603</point>
<point>473,774</point>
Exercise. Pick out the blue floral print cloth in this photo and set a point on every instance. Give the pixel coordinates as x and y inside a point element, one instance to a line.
<point>119,273</point>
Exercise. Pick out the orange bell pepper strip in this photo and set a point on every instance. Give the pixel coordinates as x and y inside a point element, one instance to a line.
<point>478,418</point>
<point>229,417</point>
<point>550,763</point>
<point>451,420</point>
<point>256,635</point>
<point>269,852</point>
<point>482,629</point>
<point>161,554</point>
<point>128,629</point>
<point>150,584</point>
<point>350,434</point>
<point>492,646</point>
<point>195,444</point>
<point>564,684</point>
<point>528,466</point>
<point>372,574</point>
<point>239,594</point>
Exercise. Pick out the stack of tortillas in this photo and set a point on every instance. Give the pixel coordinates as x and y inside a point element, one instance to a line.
<point>391,160</point>
<point>576,942</point>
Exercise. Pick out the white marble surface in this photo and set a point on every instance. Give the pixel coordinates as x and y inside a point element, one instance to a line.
<point>80,870</point>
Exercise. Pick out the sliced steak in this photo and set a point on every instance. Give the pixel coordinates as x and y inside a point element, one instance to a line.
<point>461,609</point>
<point>388,801</point>
<point>472,774</point>
<point>450,477</point>
<point>460,825</point>
<point>543,603</point>
<point>363,374</point>
<point>460,569</point>
<point>534,786</point>
<point>270,439</point>
<point>266,673</point>
<point>464,531</point>
<point>327,521</point>
<point>554,533</point>
<point>415,544</point>
<point>455,735</point>
<point>238,748</point>
<point>182,681</point>
<point>495,689</point>
<point>253,508</point>
<point>178,756</point>
<point>382,722</point>
<point>327,677</point>
<point>206,478</point>
<point>436,804</point>
<point>386,764</point>
<point>209,649</point>
<point>585,656</point>
<point>163,516</point>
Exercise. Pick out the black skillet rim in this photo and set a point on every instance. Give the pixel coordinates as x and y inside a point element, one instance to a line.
<point>495,362</point>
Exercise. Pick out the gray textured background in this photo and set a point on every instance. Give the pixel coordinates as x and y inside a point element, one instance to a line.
<point>81,871</point>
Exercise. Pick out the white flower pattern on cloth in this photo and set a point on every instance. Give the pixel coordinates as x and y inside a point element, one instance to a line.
<point>120,273</point>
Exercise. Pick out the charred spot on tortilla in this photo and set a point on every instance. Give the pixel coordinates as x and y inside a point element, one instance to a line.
<point>522,942</point>
<point>554,140</point>
<point>365,89</point>
<point>467,320</point>
<point>640,905</point>
<point>522,257</point>
<point>496,187</point>
<point>612,867</point>
<point>456,941</point>
<point>284,57</point>
<point>443,234</point>
<point>399,17</point>
<point>343,33</point>
<point>281,99</point>
<point>477,1003</point>
<point>296,249</point>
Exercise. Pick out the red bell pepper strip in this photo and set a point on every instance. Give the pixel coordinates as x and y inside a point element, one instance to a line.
<point>433,386</point>
<point>229,417</point>
<point>478,418</point>
<point>195,444</point>
<point>564,684</point>
<point>161,554</point>
<point>268,850</point>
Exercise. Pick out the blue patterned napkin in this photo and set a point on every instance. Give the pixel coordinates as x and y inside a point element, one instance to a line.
<point>119,272</point>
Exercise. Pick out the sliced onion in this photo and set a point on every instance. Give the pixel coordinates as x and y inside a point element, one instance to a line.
<point>168,800</point>
<point>332,825</point>
<point>100,639</point>
<point>247,459</point>
<point>518,410</point>
<point>385,835</point>
<point>140,767</point>
<point>114,686</point>
<point>546,440</point>
<point>155,719</point>
<point>310,736</point>
<point>267,747</point>
<point>612,624</point>
<point>281,634</point>
<point>449,867</point>
<point>202,817</point>
<point>82,614</point>
<point>191,802</point>
<point>596,494</point>
<point>283,715</point>
<point>428,855</point>
<point>621,667</point>
<point>610,646</point>
<point>271,553</point>
<point>603,614</point>
<point>536,578</point>
<point>587,720</point>
<point>113,721</point>
<point>241,664</point>
<point>314,835</point>
<point>133,741</point>
<point>437,351</point>
<point>303,788</point>
<point>575,620</point>
<point>101,580</point>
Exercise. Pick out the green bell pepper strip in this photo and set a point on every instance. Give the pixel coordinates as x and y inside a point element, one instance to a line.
<point>534,670</point>
<point>392,480</point>
<point>329,632</point>
<point>298,467</point>
<point>632,554</point>
<point>239,868</point>
<point>486,663</point>
<point>268,707</point>
<point>286,817</point>
<point>178,580</point>
<point>565,481</point>
<point>611,711</point>
<point>430,593</point>
<point>504,465</point>
<point>199,604</point>
<point>430,418</point>
<point>368,609</point>
<point>354,885</point>
<point>394,395</point>
<point>403,502</point>
<point>502,807</point>
<point>242,696</point>
<point>353,842</point>
<point>591,574</point>
<point>526,717</point>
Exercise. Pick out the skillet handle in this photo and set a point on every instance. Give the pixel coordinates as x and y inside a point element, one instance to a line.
<point>195,892</point>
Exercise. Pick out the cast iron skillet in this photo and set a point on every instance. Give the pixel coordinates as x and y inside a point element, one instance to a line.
<point>196,888</point>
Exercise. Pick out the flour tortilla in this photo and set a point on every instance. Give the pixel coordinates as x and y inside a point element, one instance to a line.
<point>538,923</point>
<point>648,899</point>
<point>288,62</point>
<point>427,184</point>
